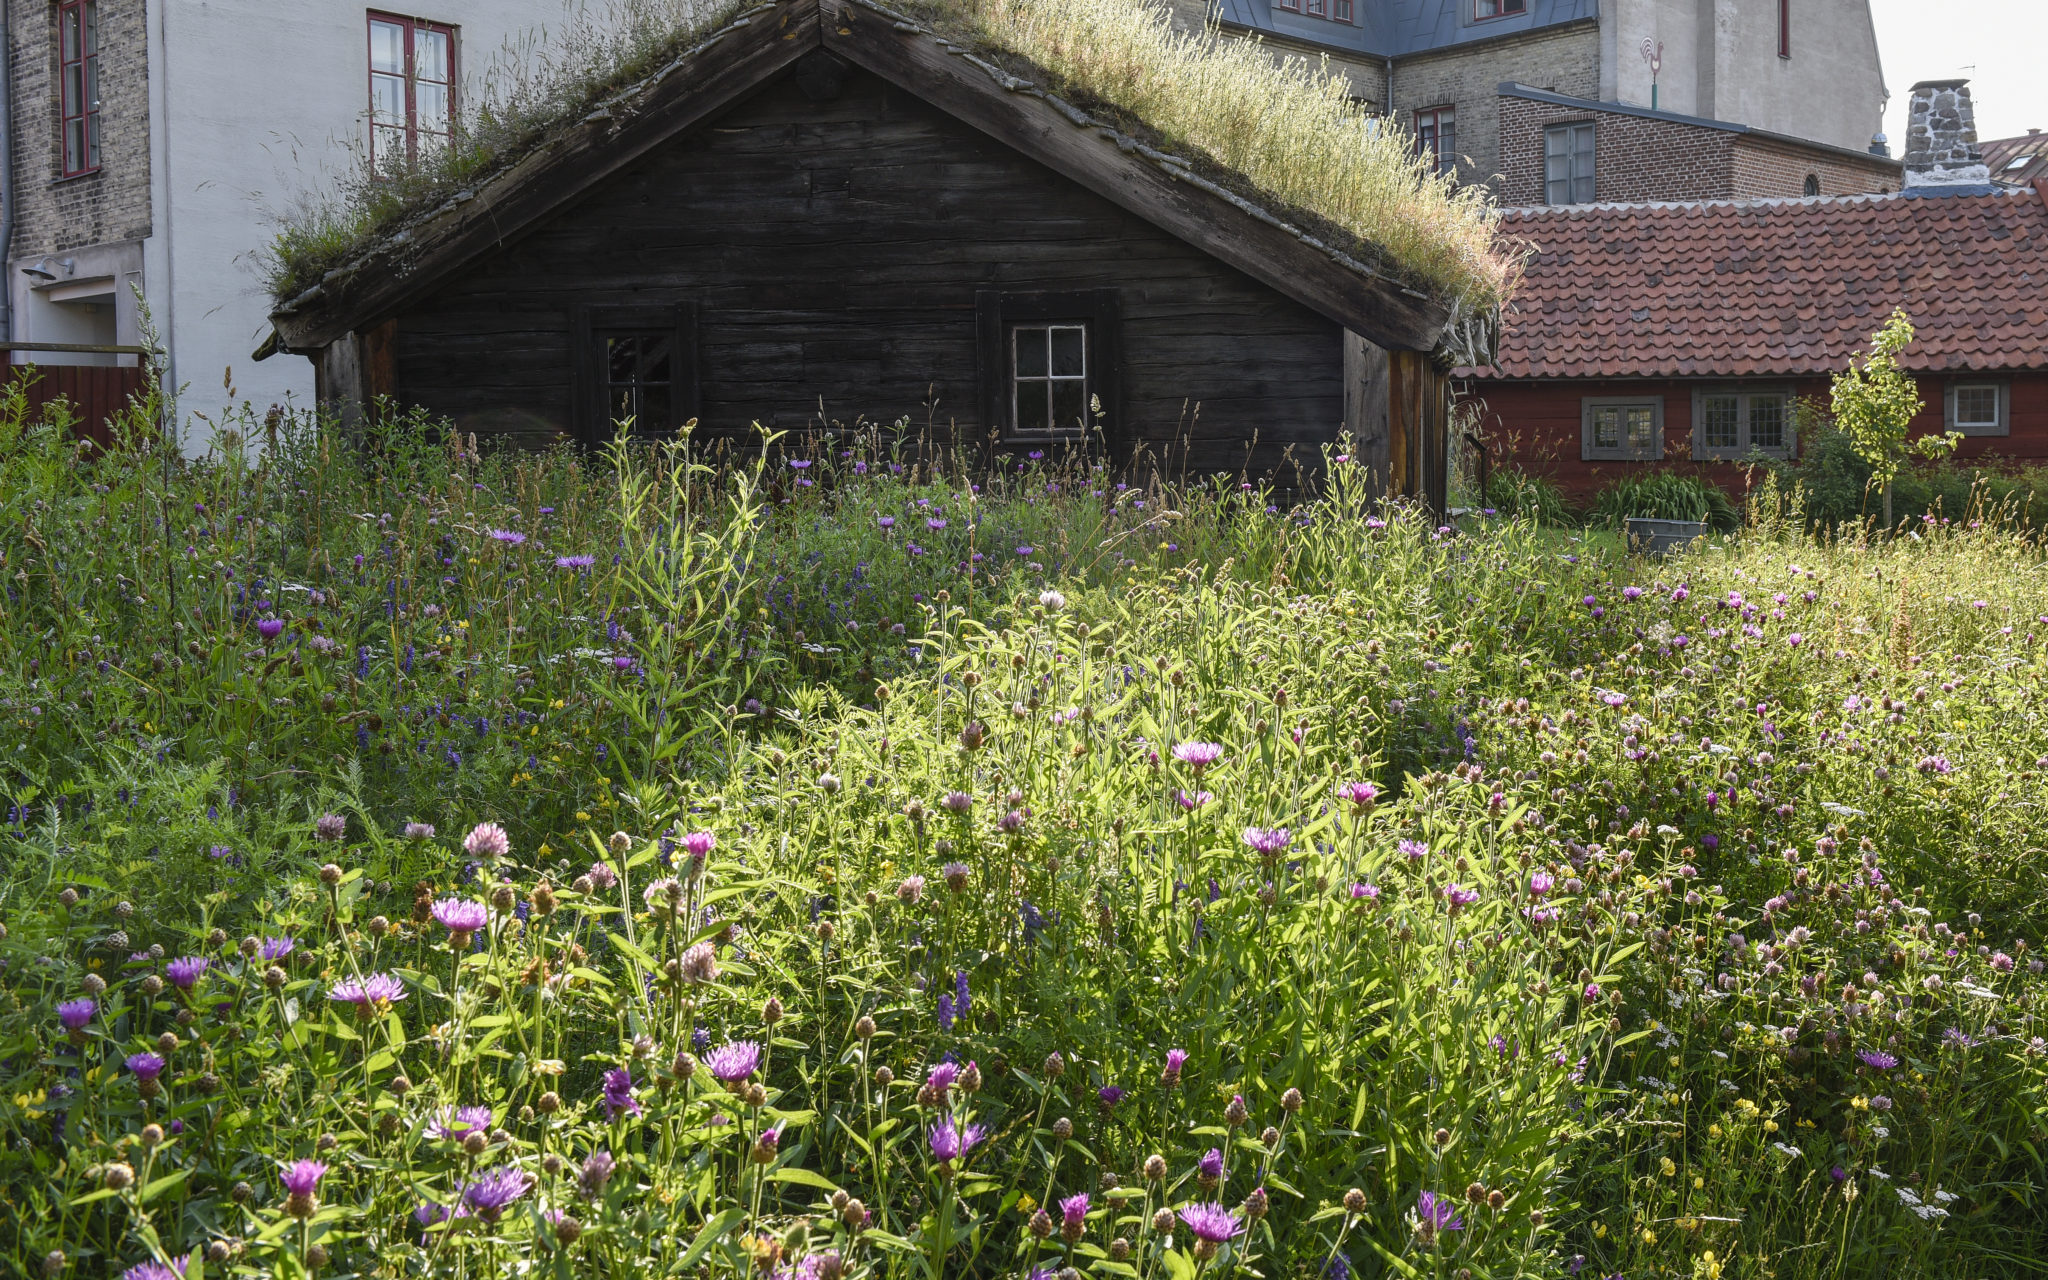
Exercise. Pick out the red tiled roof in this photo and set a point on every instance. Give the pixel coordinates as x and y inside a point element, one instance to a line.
<point>1777,288</point>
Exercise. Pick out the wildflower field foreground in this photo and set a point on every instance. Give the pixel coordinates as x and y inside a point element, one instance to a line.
<point>840,864</point>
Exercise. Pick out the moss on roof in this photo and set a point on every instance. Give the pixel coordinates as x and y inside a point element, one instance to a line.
<point>1276,129</point>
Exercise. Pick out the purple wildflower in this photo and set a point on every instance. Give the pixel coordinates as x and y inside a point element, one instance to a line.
<point>574,562</point>
<point>1074,1211</point>
<point>1879,1059</point>
<point>489,1194</point>
<point>487,841</point>
<point>276,948</point>
<point>1211,1222</point>
<point>618,1093</point>
<point>460,916</point>
<point>175,1270</point>
<point>1269,841</point>
<point>302,1177</point>
<point>185,971</point>
<point>1440,1212</point>
<point>1198,755</point>
<point>369,995</point>
<point>1361,794</point>
<point>146,1066</point>
<point>1210,1166</point>
<point>75,1014</point>
<point>459,1122</point>
<point>1109,1095</point>
<point>509,537</point>
<point>731,1063</point>
<point>950,1141</point>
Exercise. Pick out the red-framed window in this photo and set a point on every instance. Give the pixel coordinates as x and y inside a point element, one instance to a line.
<point>1784,28</point>
<point>1436,136</point>
<point>1482,10</point>
<point>412,88</point>
<point>78,52</point>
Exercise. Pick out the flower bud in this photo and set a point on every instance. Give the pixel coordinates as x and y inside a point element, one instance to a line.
<point>771,1012</point>
<point>316,1255</point>
<point>1236,1113</point>
<point>1255,1204</point>
<point>1063,1128</point>
<point>167,1043</point>
<point>1270,1138</point>
<point>124,909</point>
<point>970,1078</point>
<point>379,926</point>
<point>544,903</point>
<point>1162,1220</point>
<point>217,938</point>
<point>621,844</point>
<point>1155,1167</point>
<point>884,1077</point>
<point>152,986</point>
<point>1354,1201</point>
<point>582,885</point>
<point>865,1027</point>
<point>504,898</point>
<point>854,1215</point>
<point>474,1142</point>
<point>757,1094</point>
<point>552,1164</point>
<point>117,1177</point>
<point>567,1229</point>
<point>273,977</point>
<point>1055,1065</point>
<point>152,1135</point>
<point>330,875</point>
<point>548,1103</point>
<point>1291,1100</point>
<point>68,898</point>
<point>400,1085</point>
<point>94,984</point>
<point>217,1252</point>
<point>241,1193</point>
<point>1041,1224</point>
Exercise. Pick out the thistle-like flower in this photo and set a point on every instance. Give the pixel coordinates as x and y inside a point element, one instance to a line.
<point>1198,755</point>
<point>732,1063</point>
<point>950,1141</point>
<point>301,1181</point>
<point>461,918</point>
<point>489,1195</point>
<point>487,842</point>
<point>185,971</point>
<point>459,1122</point>
<point>76,1014</point>
<point>372,996</point>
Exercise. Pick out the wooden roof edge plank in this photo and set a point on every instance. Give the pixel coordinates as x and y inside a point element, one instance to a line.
<point>759,42</point>
<point>1157,187</point>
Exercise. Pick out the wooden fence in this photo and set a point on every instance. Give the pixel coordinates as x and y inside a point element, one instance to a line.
<point>94,392</point>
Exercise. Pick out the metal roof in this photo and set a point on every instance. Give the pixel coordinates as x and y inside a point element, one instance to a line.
<point>1397,28</point>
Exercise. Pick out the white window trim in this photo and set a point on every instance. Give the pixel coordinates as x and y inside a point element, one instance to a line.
<point>1589,452</point>
<point>1742,449</point>
<point>2003,427</point>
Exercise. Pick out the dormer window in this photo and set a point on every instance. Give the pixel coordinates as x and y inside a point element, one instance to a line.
<point>1484,10</point>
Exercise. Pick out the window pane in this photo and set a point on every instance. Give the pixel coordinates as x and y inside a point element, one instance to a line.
<point>1976,406</point>
<point>1069,351</point>
<point>1767,422</point>
<point>1341,10</point>
<point>74,145</point>
<point>387,99</point>
<point>1031,352</point>
<point>431,102</point>
<point>92,84</point>
<point>654,409</point>
<point>74,89</point>
<point>92,141</point>
<point>387,144</point>
<point>1606,427</point>
<point>430,55</point>
<point>1582,163</point>
<point>622,356</point>
<point>1070,404</point>
<point>623,404</point>
<point>92,28</point>
<point>1641,424</point>
<point>387,47</point>
<point>1034,406</point>
<point>70,38</point>
<point>1446,142</point>
<point>655,350</point>
<point>1315,8</point>
<point>1719,416</point>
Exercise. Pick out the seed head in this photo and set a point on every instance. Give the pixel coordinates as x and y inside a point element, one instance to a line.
<point>621,844</point>
<point>1354,1201</point>
<point>1041,1224</point>
<point>865,1027</point>
<point>152,1135</point>
<point>1155,1167</point>
<point>1055,1065</point>
<point>549,1103</point>
<point>1236,1113</point>
<point>1063,1128</point>
<point>1291,1100</point>
<point>330,875</point>
<point>117,1177</point>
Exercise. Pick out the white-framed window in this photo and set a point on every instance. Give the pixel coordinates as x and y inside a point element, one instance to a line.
<point>1568,163</point>
<point>1979,408</point>
<point>1736,422</point>
<point>1621,428</point>
<point>1049,378</point>
<point>412,87</point>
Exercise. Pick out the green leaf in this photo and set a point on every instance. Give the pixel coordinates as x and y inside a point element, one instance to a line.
<point>707,1234</point>
<point>804,1178</point>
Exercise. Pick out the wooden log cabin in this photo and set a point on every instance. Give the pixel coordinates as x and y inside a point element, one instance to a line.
<point>824,209</point>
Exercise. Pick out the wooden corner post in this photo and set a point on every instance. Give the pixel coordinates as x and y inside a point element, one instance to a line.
<point>1418,430</point>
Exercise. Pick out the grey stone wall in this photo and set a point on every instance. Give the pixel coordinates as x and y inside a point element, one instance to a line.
<point>54,213</point>
<point>1941,135</point>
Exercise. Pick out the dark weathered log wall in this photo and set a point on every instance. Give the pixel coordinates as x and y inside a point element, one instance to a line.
<point>832,251</point>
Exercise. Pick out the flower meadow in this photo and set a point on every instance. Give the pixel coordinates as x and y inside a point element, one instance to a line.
<point>822,858</point>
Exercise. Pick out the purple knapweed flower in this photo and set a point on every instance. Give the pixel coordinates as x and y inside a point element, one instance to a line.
<point>459,1122</point>
<point>950,1141</point>
<point>731,1063</point>
<point>1268,841</point>
<point>174,1270</point>
<point>699,844</point>
<point>1175,1060</point>
<point>1211,1223</point>
<point>1198,755</point>
<point>1413,850</point>
<point>574,562</point>
<point>75,1014</point>
<point>1190,803</point>
<point>618,1094</point>
<point>1361,794</point>
<point>1540,883</point>
<point>1074,1212</point>
<point>1459,898</point>
<point>510,537</point>
<point>185,971</point>
<point>1109,1095</point>
<point>489,1194</point>
<point>1440,1212</point>
<point>1878,1059</point>
<point>369,995</point>
<point>146,1066</point>
<point>302,1177</point>
<point>269,628</point>
<point>461,917</point>
<point>1210,1166</point>
<point>330,827</point>
<point>276,948</point>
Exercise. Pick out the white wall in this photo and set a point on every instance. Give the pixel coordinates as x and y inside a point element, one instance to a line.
<point>254,103</point>
<point>1721,61</point>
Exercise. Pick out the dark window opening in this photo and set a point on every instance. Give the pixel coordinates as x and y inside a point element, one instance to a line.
<point>1436,136</point>
<point>1812,187</point>
<point>1568,164</point>
<point>78,44</point>
<point>1049,363</point>
<point>1784,28</point>
<point>636,370</point>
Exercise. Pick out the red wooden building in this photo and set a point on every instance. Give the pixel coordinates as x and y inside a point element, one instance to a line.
<point>1679,335</point>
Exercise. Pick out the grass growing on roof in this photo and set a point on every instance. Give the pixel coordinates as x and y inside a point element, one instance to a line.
<point>1288,128</point>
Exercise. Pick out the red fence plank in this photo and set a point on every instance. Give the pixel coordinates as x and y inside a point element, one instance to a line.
<point>95,393</point>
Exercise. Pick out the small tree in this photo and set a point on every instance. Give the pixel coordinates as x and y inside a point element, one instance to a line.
<point>1876,404</point>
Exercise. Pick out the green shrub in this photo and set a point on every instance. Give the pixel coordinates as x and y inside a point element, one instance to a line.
<point>1664,495</point>
<point>1517,493</point>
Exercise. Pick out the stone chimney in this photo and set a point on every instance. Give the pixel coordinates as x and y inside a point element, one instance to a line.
<point>1941,137</point>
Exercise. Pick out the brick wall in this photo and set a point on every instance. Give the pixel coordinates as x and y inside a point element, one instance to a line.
<point>1562,59</point>
<point>54,213</point>
<point>1776,167</point>
<point>1649,158</point>
<point>1368,76</point>
<point>1634,158</point>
